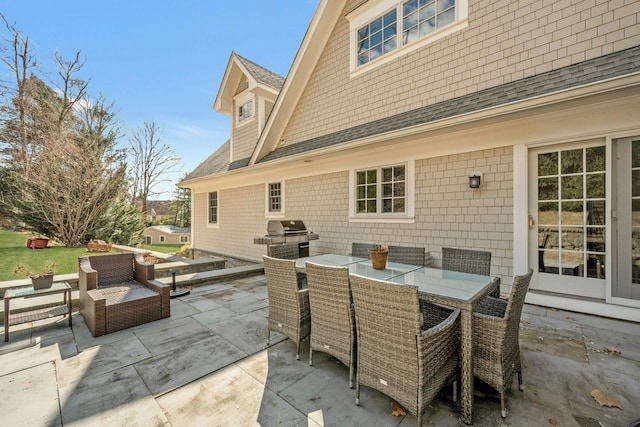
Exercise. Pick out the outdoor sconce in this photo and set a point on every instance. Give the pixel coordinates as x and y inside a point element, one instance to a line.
<point>475,180</point>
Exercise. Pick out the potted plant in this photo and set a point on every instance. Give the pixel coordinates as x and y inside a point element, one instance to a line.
<point>378,256</point>
<point>40,280</point>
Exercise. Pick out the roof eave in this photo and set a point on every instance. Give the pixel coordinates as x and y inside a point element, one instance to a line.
<point>590,89</point>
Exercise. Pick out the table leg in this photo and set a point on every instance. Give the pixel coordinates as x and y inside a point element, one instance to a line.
<point>68,301</point>
<point>466,342</point>
<point>6,319</point>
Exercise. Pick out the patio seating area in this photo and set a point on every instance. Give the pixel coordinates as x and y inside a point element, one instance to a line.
<point>207,365</point>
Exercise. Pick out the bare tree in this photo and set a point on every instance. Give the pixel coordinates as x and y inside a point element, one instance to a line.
<point>32,114</point>
<point>150,161</point>
<point>20,62</point>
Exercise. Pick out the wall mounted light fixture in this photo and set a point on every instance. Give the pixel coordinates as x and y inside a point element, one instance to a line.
<point>475,180</point>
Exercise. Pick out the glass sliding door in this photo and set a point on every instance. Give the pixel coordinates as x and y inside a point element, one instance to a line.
<point>567,225</point>
<point>626,285</point>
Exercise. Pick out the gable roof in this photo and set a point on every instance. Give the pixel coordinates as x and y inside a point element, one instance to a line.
<point>260,81</point>
<point>612,66</point>
<point>261,74</point>
<point>322,23</point>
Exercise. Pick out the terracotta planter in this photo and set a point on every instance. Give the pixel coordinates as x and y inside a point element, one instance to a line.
<point>378,259</point>
<point>37,243</point>
<point>42,282</point>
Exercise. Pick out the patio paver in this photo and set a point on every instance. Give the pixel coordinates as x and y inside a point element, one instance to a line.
<point>207,365</point>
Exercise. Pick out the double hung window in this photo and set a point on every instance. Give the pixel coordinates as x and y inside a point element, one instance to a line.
<point>213,207</point>
<point>275,197</point>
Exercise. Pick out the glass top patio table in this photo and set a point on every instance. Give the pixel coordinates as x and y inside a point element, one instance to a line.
<point>393,269</point>
<point>463,287</point>
<point>30,291</point>
<point>328,259</point>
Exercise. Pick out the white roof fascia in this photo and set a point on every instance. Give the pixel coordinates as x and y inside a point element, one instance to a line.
<point>232,75</point>
<point>312,46</point>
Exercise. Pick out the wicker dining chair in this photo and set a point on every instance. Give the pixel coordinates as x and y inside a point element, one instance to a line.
<point>332,317</point>
<point>496,350</point>
<point>407,348</point>
<point>284,251</point>
<point>289,311</point>
<point>406,255</point>
<point>468,261</point>
<point>361,249</point>
<point>288,251</point>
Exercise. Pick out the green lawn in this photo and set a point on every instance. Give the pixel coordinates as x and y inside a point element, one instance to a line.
<point>13,250</point>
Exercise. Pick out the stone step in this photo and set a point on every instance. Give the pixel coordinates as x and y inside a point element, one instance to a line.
<point>206,277</point>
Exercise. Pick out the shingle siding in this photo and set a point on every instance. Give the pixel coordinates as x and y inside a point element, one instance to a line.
<point>448,213</point>
<point>504,42</point>
<point>244,134</point>
<point>241,218</point>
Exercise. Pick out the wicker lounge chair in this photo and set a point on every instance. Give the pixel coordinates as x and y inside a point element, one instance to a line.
<point>496,352</point>
<point>119,291</point>
<point>361,249</point>
<point>332,317</point>
<point>468,261</point>
<point>407,255</point>
<point>288,305</point>
<point>397,355</point>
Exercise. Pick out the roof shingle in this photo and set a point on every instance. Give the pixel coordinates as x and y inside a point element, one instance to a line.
<point>598,69</point>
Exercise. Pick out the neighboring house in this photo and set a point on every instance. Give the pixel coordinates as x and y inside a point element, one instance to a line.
<point>157,210</point>
<point>166,234</point>
<point>391,106</point>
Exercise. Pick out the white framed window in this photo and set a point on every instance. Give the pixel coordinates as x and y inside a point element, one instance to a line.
<point>161,239</point>
<point>245,111</point>
<point>383,193</point>
<point>184,239</point>
<point>212,206</point>
<point>381,31</point>
<point>245,108</point>
<point>274,199</point>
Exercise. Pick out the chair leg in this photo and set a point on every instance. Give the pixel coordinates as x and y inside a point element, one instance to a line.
<point>310,356</point>
<point>520,382</point>
<point>351,374</point>
<point>268,336</point>
<point>455,391</point>
<point>357,393</point>
<point>502,405</point>
<point>298,351</point>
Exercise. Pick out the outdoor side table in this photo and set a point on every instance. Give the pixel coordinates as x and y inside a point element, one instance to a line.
<point>39,314</point>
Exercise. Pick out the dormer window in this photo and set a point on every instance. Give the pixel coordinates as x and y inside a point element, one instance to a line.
<point>245,107</point>
<point>384,30</point>
<point>245,111</point>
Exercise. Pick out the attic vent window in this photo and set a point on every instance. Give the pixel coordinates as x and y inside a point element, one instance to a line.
<point>245,111</point>
<point>384,30</point>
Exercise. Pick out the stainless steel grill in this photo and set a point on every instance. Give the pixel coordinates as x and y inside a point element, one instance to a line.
<point>287,232</point>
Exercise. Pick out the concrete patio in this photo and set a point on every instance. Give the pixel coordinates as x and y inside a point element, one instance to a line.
<point>207,366</point>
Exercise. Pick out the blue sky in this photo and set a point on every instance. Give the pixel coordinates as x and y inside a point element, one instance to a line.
<point>163,61</point>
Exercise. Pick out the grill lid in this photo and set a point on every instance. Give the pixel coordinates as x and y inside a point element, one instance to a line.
<point>285,227</point>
